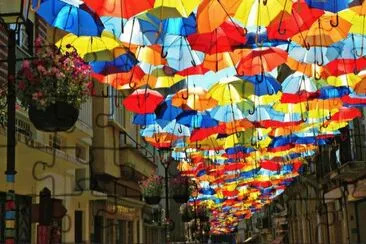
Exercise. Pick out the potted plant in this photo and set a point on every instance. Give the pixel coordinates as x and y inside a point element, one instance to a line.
<point>187,212</point>
<point>151,189</point>
<point>53,86</point>
<point>180,189</point>
<point>202,213</point>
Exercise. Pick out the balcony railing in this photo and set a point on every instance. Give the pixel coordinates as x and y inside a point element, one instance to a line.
<point>86,113</point>
<point>144,148</point>
<point>115,106</point>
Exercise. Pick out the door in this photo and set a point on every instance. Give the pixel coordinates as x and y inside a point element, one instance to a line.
<point>78,220</point>
<point>98,229</point>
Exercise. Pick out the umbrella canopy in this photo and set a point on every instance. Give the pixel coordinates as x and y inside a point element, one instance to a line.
<point>194,99</point>
<point>261,60</point>
<point>261,13</point>
<point>223,39</point>
<point>90,47</point>
<point>231,90</point>
<point>324,32</point>
<point>143,101</point>
<point>119,8</point>
<point>71,18</point>
<point>285,25</point>
<point>220,9</point>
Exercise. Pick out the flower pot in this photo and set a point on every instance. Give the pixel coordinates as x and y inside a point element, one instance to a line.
<point>56,117</point>
<point>153,200</point>
<point>203,218</point>
<point>186,218</point>
<point>181,198</point>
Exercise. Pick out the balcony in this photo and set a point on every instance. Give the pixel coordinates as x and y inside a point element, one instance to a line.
<point>141,156</point>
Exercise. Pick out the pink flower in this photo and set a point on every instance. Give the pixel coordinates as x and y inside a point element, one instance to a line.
<point>21,85</point>
<point>26,64</point>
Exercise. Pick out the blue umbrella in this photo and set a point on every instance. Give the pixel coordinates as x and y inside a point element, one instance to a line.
<point>196,119</point>
<point>142,30</point>
<point>351,47</point>
<point>177,129</point>
<point>179,54</point>
<point>316,54</point>
<point>264,84</point>
<point>123,63</point>
<point>226,113</point>
<point>76,19</point>
<point>166,111</point>
<point>328,5</point>
<point>328,92</point>
<point>180,26</point>
<point>114,24</point>
<point>144,119</point>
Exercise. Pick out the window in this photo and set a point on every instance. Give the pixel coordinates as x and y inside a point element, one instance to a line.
<point>56,142</point>
<point>24,37</point>
<point>80,180</point>
<point>80,152</point>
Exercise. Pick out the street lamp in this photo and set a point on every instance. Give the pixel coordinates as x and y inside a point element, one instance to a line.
<point>12,15</point>
<point>165,160</point>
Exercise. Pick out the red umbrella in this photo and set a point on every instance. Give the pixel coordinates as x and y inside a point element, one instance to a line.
<point>346,114</point>
<point>123,80</point>
<point>261,60</point>
<point>194,70</point>
<point>143,101</point>
<point>223,39</point>
<point>119,8</point>
<point>343,66</point>
<point>270,165</point>
<point>286,25</point>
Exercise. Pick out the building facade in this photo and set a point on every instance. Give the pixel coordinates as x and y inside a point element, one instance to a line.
<point>326,204</point>
<point>93,169</point>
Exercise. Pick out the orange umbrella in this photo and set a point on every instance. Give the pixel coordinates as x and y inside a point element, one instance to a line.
<point>219,61</point>
<point>161,140</point>
<point>360,88</point>
<point>150,54</point>
<point>324,32</point>
<point>305,68</point>
<point>236,126</point>
<point>212,13</point>
<point>261,60</point>
<point>193,98</point>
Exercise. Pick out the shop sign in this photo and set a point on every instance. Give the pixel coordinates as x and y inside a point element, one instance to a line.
<point>121,210</point>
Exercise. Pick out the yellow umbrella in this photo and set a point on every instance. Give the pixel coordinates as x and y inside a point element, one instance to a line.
<point>261,12</point>
<point>150,55</point>
<point>159,79</point>
<point>231,90</point>
<point>173,8</point>
<point>355,15</point>
<point>91,47</point>
<point>349,80</point>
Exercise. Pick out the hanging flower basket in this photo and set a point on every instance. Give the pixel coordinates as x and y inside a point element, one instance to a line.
<point>180,189</point>
<point>186,212</point>
<point>202,213</point>
<point>152,200</point>
<point>151,189</point>
<point>53,86</point>
<point>56,117</point>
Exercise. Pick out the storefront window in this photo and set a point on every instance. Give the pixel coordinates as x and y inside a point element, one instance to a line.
<point>130,232</point>
<point>110,226</point>
<point>23,218</point>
